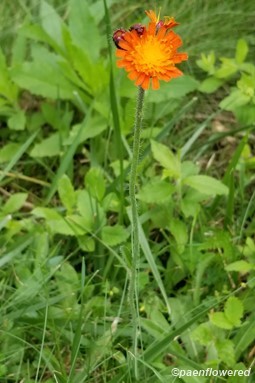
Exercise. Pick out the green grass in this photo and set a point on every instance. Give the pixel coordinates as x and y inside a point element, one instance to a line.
<point>66,115</point>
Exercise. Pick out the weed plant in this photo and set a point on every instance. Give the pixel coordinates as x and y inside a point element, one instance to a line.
<point>66,120</point>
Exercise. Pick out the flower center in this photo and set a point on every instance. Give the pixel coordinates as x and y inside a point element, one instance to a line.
<point>151,55</point>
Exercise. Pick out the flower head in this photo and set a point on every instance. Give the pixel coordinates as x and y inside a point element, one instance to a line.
<point>149,53</point>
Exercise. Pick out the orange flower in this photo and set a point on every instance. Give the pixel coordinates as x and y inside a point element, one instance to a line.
<point>151,54</point>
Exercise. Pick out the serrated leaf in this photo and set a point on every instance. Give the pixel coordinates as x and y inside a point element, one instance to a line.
<point>233,310</point>
<point>43,76</point>
<point>206,185</point>
<point>14,203</point>
<point>226,351</point>
<point>203,334</point>
<point>166,158</point>
<point>219,319</point>
<point>66,192</point>
<point>114,235</point>
<point>156,191</point>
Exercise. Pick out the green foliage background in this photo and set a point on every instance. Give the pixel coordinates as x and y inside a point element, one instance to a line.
<point>66,116</point>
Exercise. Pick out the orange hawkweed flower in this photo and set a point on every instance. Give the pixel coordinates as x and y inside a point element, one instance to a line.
<point>152,54</point>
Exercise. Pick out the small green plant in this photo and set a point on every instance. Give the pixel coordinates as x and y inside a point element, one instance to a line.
<point>241,98</point>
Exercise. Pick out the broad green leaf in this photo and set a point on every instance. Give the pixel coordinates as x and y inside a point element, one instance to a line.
<point>206,185</point>
<point>93,74</point>
<point>14,203</point>
<point>156,191</point>
<point>51,23</point>
<point>67,282</point>
<point>89,208</point>
<point>17,121</point>
<point>210,85</point>
<point>111,202</point>
<point>241,51</point>
<point>53,219</point>
<point>114,235</point>
<point>48,147</point>
<point>86,243</point>
<point>83,28</point>
<point>249,249</point>
<point>8,151</point>
<point>236,99</point>
<point>233,310</point>
<point>240,266</point>
<point>227,69</point>
<point>203,333</point>
<point>43,76</point>
<point>66,192</point>
<point>188,168</point>
<point>180,233</point>
<point>88,128</point>
<point>78,224</point>
<point>226,351</point>
<point>179,88</point>
<point>220,320</point>
<point>95,183</point>
<point>166,158</point>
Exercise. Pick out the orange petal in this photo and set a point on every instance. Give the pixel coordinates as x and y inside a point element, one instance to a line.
<point>121,64</point>
<point>120,53</point>
<point>146,83</point>
<point>155,83</point>
<point>133,75</point>
<point>161,33</point>
<point>123,44</point>
<point>174,72</point>
<point>140,79</point>
<point>152,15</point>
<point>179,57</point>
<point>170,22</point>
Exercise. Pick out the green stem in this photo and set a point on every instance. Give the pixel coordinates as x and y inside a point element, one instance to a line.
<point>133,287</point>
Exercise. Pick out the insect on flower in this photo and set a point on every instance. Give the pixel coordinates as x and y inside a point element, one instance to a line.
<point>139,28</point>
<point>150,53</point>
<point>118,36</point>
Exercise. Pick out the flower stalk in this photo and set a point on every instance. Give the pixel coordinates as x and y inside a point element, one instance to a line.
<point>133,284</point>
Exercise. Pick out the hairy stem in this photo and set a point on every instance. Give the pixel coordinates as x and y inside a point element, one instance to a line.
<point>133,287</point>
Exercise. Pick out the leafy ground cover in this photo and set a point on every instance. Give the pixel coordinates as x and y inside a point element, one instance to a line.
<point>66,119</point>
